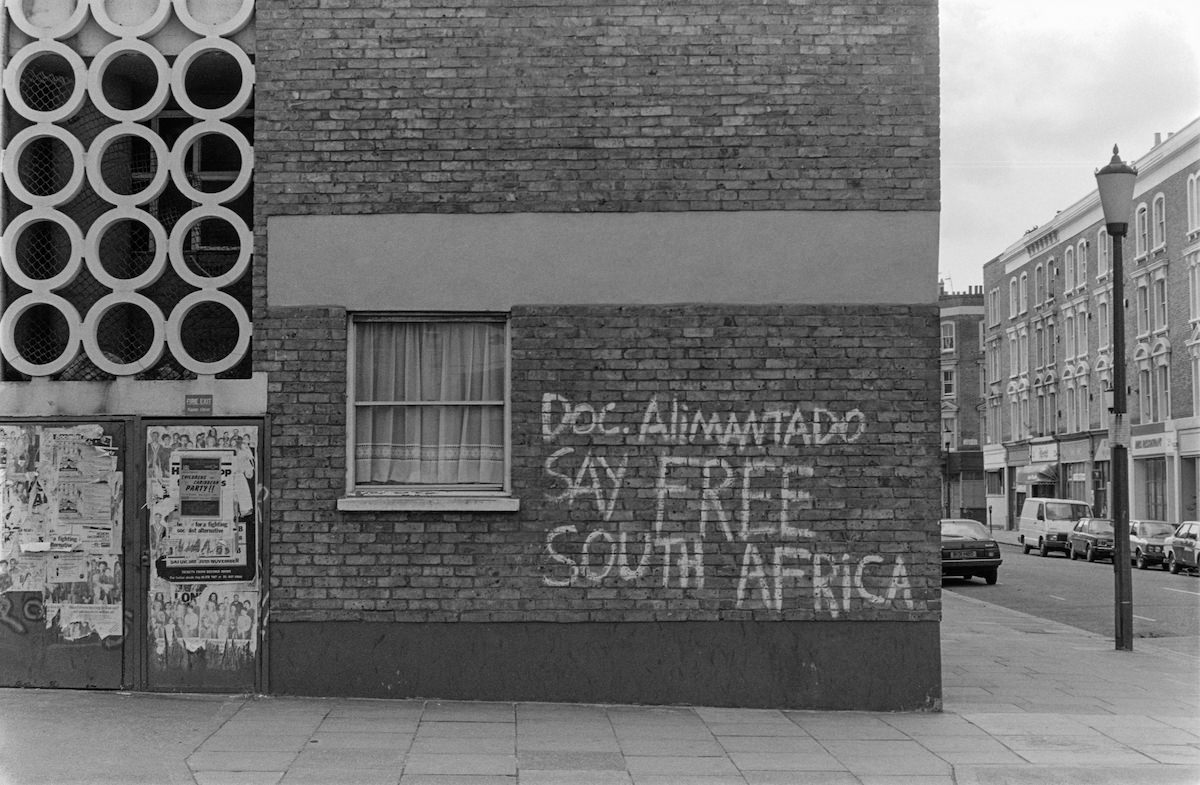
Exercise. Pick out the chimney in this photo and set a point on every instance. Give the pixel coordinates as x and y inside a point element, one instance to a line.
<point>1157,138</point>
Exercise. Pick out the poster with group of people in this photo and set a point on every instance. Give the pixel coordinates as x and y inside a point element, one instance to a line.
<point>61,497</point>
<point>204,587</point>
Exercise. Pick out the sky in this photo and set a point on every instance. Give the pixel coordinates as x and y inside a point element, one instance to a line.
<point>1034,95</point>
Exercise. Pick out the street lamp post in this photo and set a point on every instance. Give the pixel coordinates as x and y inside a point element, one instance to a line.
<point>1115,183</point>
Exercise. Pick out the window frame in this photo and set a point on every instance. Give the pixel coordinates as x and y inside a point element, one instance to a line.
<point>948,337</point>
<point>1158,222</point>
<point>431,498</point>
<point>1141,230</point>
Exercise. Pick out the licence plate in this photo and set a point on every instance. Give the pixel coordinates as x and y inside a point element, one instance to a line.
<point>965,554</point>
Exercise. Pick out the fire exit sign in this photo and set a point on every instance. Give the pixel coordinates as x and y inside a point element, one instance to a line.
<point>197,405</point>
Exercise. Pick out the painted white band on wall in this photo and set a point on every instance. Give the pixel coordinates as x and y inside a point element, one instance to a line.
<point>50,19</point>
<point>16,149</point>
<point>129,47</point>
<point>92,329</point>
<point>179,172</point>
<point>95,238</point>
<point>227,26</point>
<point>95,164</point>
<point>198,49</point>
<point>26,56</point>
<point>11,318</point>
<point>12,236</point>
<point>144,27</point>
<point>175,332</point>
<point>184,225</point>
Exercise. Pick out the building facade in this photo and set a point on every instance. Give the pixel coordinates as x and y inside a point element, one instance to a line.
<point>1048,352</point>
<point>963,490</point>
<point>481,350</point>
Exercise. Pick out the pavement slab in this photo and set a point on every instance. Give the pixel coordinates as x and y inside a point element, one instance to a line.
<point>1012,714</point>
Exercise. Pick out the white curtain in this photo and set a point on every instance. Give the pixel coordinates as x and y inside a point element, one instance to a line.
<point>429,403</point>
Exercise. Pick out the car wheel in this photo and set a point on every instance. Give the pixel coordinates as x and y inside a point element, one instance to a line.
<point>1172,565</point>
<point>1087,553</point>
<point>1042,549</point>
<point>1025,546</point>
<point>1071,552</point>
<point>1140,559</point>
<point>990,576</point>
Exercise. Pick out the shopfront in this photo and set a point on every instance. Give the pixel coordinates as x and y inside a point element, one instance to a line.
<point>1076,457</point>
<point>1153,456</point>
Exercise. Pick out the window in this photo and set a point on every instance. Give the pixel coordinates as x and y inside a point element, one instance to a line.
<point>947,382</point>
<point>1069,332</point>
<point>1104,329</point>
<point>949,431</point>
<point>1013,366</point>
<point>1082,409</point>
<point>1103,252</point>
<point>1039,346</point>
<point>1081,263</point>
<point>1081,324</point>
<point>430,407</point>
<point>1160,304</point>
<point>1146,396</point>
<point>1069,394</point>
<point>1193,203</point>
<point>1193,268</point>
<point>1024,292</point>
<point>1012,299</point>
<point>1162,392</point>
<point>1141,230</point>
<point>1052,408</point>
<point>1069,272</point>
<point>1159,222</point>
<point>947,336</point>
<point>1039,285</point>
<point>1023,349</point>
<point>1143,309</point>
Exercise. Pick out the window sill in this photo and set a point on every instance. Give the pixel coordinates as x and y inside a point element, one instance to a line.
<point>428,503</point>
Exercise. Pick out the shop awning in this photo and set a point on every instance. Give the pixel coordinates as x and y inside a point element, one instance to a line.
<point>1038,474</point>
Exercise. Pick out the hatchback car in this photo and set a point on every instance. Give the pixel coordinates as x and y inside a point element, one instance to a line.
<point>969,550</point>
<point>1091,538</point>
<point>1181,547</point>
<point>1148,542</point>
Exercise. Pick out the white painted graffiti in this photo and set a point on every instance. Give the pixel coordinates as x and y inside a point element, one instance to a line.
<point>751,510</point>
<point>674,422</point>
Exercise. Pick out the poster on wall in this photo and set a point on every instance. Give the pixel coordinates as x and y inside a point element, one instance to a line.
<point>204,603</point>
<point>61,498</point>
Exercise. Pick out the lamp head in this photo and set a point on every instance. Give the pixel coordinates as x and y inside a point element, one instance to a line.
<point>1115,183</point>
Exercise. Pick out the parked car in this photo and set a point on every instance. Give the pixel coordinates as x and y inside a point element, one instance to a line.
<point>1148,542</point>
<point>1181,547</point>
<point>969,550</point>
<point>1091,538</point>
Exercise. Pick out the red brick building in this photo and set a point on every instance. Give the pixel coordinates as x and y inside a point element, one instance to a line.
<point>593,359</point>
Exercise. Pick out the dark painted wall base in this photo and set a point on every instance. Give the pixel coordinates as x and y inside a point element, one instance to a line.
<point>877,666</point>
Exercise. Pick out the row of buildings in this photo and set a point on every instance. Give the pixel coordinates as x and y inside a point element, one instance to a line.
<point>1027,358</point>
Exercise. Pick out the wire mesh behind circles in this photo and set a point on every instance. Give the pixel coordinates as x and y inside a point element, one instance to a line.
<point>127,249</point>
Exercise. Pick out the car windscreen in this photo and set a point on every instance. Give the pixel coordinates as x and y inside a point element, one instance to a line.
<point>965,530</point>
<point>1100,527</point>
<point>1064,511</point>
<point>1155,529</point>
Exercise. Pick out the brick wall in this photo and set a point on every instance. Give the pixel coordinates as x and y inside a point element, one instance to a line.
<point>504,105</point>
<point>676,434</point>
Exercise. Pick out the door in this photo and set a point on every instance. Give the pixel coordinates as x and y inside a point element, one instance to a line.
<point>203,521</point>
<point>64,575</point>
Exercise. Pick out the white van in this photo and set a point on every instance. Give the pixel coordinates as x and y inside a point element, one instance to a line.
<point>1045,523</point>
